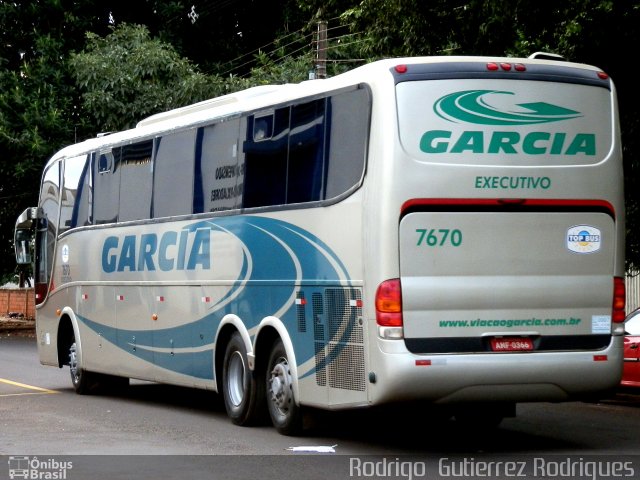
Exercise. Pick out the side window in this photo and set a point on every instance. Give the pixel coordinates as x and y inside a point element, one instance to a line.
<point>219,168</point>
<point>83,208</point>
<point>106,184</point>
<point>75,169</point>
<point>47,227</point>
<point>173,174</point>
<point>306,152</point>
<point>348,132</point>
<point>135,181</point>
<point>266,157</point>
<point>49,195</point>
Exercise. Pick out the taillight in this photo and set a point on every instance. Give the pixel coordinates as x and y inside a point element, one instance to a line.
<point>389,303</point>
<point>389,309</point>
<point>618,300</point>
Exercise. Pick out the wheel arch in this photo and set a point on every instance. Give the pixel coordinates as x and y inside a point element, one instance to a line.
<point>67,331</point>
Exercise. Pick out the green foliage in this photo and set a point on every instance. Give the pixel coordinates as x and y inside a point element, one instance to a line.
<point>37,104</point>
<point>59,84</point>
<point>127,75</point>
<point>290,70</point>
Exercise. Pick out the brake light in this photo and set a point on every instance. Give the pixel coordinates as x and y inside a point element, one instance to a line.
<point>506,66</point>
<point>389,303</point>
<point>618,300</point>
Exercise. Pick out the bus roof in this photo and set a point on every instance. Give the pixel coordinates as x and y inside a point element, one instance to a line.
<point>265,96</point>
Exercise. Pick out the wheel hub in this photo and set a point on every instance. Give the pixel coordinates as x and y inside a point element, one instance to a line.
<point>73,361</point>
<point>235,382</point>
<point>280,386</point>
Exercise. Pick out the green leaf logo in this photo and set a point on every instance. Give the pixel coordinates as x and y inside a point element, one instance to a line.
<point>470,106</point>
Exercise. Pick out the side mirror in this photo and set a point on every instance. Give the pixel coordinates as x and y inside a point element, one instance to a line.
<point>22,243</point>
<point>22,235</point>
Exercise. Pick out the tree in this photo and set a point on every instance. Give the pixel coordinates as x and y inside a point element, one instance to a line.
<point>215,36</point>
<point>127,75</point>
<point>37,102</point>
<point>40,106</point>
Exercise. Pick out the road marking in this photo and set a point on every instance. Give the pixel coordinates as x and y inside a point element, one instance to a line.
<point>24,385</point>
<point>2,395</point>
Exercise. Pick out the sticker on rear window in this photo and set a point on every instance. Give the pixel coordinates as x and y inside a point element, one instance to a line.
<point>583,239</point>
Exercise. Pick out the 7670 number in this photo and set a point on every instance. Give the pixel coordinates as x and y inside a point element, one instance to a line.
<point>439,237</point>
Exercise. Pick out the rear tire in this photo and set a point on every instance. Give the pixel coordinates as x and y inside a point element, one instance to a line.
<point>241,389</point>
<point>285,414</point>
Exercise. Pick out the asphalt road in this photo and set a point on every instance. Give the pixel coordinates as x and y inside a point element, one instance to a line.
<point>168,427</point>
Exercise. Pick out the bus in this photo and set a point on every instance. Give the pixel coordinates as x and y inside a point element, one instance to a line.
<point>433,230</point>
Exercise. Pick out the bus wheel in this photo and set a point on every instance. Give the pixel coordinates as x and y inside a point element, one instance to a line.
<point>83,382</point>
<point>286,416</point>
<point>240,388</point>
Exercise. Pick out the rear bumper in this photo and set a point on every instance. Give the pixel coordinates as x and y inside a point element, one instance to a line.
<point>493,377</point>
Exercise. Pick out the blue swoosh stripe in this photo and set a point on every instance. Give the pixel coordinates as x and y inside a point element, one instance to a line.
<point>268,261</point>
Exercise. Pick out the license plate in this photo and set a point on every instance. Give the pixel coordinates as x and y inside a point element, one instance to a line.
<point>511,344</point>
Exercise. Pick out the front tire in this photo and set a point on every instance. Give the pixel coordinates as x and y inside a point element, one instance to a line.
<point>83,382</point>
<point>285,414</point>
<point>240,388</point>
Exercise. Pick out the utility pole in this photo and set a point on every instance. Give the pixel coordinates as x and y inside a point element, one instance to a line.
<point>321,50</point>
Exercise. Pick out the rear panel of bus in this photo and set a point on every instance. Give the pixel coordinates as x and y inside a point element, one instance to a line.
<point>509,230</point>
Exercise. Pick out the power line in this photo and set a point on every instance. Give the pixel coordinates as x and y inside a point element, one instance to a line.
<point>269,44</point>
<point>296,51</point>
<point>203,9</point>
<point>281,59</point>
<point>346,35</point>
<point>276,42</point>
<point>346,44</point>
<point>267,53</point>
<point>339,26</point>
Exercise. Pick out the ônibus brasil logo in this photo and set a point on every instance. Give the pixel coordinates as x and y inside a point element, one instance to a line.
<point>474,107</point>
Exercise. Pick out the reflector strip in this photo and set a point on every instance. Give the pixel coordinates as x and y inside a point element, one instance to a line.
<point>423,363</point>
<point>600,358</point>
<point>301,301</point>
<point>206,299</point>
<point>120,297</point>
<point>160,299</point>
<point>85,296</point>
<point>355,303</point>
<point>443,203</point>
